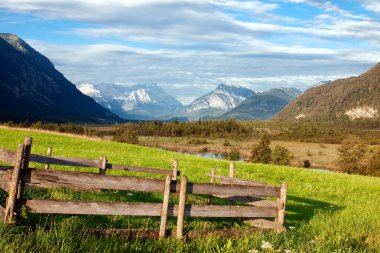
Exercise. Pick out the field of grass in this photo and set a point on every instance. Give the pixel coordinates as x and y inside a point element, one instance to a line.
<point>326,212</point>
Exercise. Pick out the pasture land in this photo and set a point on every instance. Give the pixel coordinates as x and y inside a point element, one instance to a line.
<point>326,212</point>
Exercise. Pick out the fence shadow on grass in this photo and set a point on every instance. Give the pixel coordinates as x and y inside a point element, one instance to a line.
<point>303,209</point>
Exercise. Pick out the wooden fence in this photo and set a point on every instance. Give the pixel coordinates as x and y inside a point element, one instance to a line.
<point>19,174</point>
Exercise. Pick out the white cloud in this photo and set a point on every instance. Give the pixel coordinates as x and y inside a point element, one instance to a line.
<point>182,44</point>
<point>371,5</point>
<point>192,73</point>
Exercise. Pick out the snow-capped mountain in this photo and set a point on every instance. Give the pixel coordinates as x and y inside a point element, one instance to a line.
<point>222,99</point>
<point>138,102</point>
<point>263,105</point>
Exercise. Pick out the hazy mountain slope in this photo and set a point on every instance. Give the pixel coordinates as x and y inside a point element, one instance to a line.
<point>350,98</point>
<point>31,88</point>
<point>264,105</point>
<point>138,102</point>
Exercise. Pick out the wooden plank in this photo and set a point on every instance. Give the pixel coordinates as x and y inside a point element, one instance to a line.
<point>5,177</point>
<point>80,180</point>
<point>139,169</point>
<point>181,207</point>
<point>8,156</point>
<point>230,189</point>
<point>165,205</point>
<point>174,169</point>
<point>265,224</point>
<point>13,186</point>
<point>240,181</point>
<point>48,153</point>
<point>103,165</point>
<point>66,161</point>
<point>142,209</point>
<point>232,169</point>
<point>250,200</point>
<point>280,218</point>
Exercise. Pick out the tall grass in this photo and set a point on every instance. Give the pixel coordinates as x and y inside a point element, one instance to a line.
<point>326,212</point>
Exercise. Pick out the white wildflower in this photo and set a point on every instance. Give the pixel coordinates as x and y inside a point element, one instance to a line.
<point>288,251</point>
<point>253,251</point>
<point>266,245</point>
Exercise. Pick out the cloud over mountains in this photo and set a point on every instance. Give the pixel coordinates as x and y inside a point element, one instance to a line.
<point>181,43</point>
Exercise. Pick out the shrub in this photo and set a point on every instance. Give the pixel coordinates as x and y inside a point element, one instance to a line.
<point>37,125</point>
<point>234,154</point>
<point>351,155</point>
<point>126,134</point>
<point>281,155</point>
<point>372,163</point>
<point>261,152</point>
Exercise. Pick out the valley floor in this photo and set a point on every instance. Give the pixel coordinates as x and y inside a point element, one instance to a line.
<point>319,155</point>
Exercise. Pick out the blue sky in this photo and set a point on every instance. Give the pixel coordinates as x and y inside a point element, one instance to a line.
<point>189,47</point>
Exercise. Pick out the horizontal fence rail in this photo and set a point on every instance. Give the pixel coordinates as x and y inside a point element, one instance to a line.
<point>7,156</point>
<point>13,178</point>
<point>83,180</point>
<point>143,209</point>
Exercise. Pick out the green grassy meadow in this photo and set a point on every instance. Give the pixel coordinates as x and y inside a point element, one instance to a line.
<point>326,212</point>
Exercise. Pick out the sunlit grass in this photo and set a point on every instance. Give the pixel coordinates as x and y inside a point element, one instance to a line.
<point>326,212</point>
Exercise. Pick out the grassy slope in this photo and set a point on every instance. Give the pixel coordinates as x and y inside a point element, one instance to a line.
<point>329,211</point>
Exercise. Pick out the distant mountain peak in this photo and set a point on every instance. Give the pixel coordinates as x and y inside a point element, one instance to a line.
<point>263,105</point>
<point>224,97</point>
<point>140,102</point>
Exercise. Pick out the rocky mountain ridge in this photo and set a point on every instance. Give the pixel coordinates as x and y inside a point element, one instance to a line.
<point>345,99</point>
<point>32,89</point>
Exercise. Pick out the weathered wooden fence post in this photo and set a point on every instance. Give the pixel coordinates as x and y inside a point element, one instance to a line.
<point>181,207</point>
<point>25,163</point>
<point>175,169</point>
<point>13,185</point>
<point>49,151</point>
<point>27,150</point>
<point>103,165</point>
<point>280,218</point>
<point>232,169</point>
<point>165,205</point>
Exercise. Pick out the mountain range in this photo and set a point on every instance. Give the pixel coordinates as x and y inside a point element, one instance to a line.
<point>222,99</point>
<point>32,89</point>
<point>138,102</point>
<point>263,105</point>
<point>345,99</point>
<point>151,102</point>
